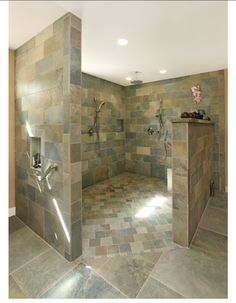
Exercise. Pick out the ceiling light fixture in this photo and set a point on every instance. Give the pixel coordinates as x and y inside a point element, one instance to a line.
<point>128,78</point>
<point>122,41</point>
<point>162,71</point>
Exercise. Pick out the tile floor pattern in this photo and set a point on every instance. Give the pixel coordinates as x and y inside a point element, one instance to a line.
<point>126,214</point>
<point>198,272</point>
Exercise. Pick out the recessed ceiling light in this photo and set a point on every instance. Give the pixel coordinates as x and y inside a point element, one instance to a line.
<point>122,41</point>
<point>162,71</point>
<point>128,78</point>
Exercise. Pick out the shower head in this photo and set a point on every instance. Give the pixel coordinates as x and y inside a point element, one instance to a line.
<point>136,81</point>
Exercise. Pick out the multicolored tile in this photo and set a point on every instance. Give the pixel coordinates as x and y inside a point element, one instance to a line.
<point>122,216</point>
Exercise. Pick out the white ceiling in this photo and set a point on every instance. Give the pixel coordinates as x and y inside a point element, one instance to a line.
<point>183,37</point>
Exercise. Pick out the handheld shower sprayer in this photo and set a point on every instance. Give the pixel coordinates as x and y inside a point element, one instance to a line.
<point>99,107</point>
<point>97,110</point>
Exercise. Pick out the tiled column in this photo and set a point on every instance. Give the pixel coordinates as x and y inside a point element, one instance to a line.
<point>48,75</point>
<point>192,150</point>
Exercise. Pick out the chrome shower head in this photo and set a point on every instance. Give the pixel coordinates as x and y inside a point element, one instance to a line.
<point>136,81</point>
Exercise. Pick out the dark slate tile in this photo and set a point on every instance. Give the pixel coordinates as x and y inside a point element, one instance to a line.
<point>158,170</point>
<point>24,245</point>
<point>21,173</point>
<point>125,247</point>
<point>75,73</point>
<point>15,292</point>
<point>100,234</point>
<point>47,267</point>
<point>128,219</point>
<point>82,282</point>
<point>87,179</point>
<point>76,191</point>
<point>76,240</point>
<point>75,153</point>
<point>30,192</point>
<point>21,117</point>
<point>15,224</point>
<point>153,289</point>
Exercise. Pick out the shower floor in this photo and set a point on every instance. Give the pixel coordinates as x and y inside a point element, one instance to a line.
<point>126,214</point>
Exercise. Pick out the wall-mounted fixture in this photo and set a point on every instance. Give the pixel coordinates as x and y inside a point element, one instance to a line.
<point>94,129</point>
<point>150,131</point>
<point>136,81</point>
<point>40,177</point>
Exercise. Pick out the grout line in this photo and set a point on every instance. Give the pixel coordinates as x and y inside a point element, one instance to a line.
<point>207,206</point>
<point>20,287</point>
<point>50,246</point>
<point>35,257</point>
<point>198,226</point>
<point>219,208</point>
<point>99,274</point>
<point>216,232</point>
<point>145,282</point>
<point>153,277</point>
<point>57,280</point>
<point>60,278</point>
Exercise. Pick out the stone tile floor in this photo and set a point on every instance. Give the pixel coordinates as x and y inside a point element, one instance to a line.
<point>125,215</point>
<point>38,271</point>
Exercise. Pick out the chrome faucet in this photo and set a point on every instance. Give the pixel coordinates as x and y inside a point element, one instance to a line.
<point>40,177</point>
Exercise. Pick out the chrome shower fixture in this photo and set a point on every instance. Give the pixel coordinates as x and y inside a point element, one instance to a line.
<point>93,129</point>
<point>99,107</point>
<point>136,81</point>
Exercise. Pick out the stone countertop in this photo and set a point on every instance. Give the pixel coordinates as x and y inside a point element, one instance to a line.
<point>191,120</point>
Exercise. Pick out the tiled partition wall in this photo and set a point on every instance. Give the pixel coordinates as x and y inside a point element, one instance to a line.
<point>192,174</point>
<point>145,154</point>
<point>48,78</point>
<point>103,153</point>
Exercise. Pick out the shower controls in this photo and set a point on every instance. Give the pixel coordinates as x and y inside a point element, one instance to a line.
<point>40,177</point>
<point>150,131</point>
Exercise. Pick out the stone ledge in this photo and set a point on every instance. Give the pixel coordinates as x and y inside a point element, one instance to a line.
<point>191,120</point>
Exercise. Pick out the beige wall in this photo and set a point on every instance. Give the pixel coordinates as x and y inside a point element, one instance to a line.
<point>11,129</point>
<point>226,126</point>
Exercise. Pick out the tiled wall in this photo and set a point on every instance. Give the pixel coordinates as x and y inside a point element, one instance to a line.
<point>48,69</point>
<point>192,147</point>
<point>103,153</point>
<point>11,129</point>
<point>145,154</point>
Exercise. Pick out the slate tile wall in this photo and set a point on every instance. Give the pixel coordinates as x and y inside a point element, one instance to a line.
<point>103,153</point>
<point>48,104</point>
<point>145,154</point>
<point>192,165</point>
